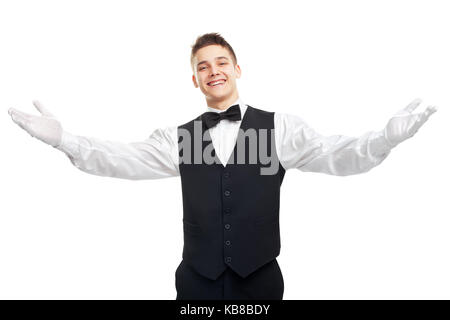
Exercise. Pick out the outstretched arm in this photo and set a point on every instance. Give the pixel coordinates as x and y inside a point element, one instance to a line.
<point>154,158</point>
<point>299,146</point>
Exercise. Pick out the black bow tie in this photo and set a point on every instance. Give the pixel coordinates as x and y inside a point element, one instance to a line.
<point>210,119</point>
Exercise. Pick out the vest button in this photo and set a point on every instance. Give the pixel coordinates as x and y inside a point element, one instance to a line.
<point>227,226</point>
<point>228,259</point>
<point>228,242</point>
<point>226,174</point>
<point>227,210</point>
<point>227,193</point>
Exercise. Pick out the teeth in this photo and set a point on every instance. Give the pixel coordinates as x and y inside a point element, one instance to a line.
<point>215,83</point>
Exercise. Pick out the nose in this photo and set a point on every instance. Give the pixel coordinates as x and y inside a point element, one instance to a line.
<point>213,70</point>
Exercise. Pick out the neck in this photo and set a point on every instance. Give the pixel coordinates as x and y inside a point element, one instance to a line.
<point>223,103</point>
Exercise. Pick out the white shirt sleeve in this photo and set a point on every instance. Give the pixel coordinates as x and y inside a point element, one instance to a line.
<point>299,146</point>
<point>154,158</point>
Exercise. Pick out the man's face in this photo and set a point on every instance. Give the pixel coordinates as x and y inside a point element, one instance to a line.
<point>213,63</point>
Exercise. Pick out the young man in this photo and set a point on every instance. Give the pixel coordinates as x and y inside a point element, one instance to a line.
<point>234,156</point>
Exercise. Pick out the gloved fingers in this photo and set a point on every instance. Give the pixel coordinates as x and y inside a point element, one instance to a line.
<point>44,111</point>
<point>422,118</point>
<point>19,117</point>
<point>412,105</point>
<point>429,111</point>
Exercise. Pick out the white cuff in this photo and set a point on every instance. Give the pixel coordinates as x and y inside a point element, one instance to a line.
<point>69,144</point>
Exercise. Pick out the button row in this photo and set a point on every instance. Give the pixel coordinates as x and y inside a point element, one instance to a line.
<point>227,210</point>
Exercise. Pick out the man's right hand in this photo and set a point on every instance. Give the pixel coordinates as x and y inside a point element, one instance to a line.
<point>44,127</point>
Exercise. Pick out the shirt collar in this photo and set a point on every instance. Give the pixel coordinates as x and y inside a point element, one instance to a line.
<point>238,101</point>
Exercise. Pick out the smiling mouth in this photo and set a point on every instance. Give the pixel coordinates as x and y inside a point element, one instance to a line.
<point>217,83</point>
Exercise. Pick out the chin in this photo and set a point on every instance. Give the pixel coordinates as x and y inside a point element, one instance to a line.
<point>216,94</point>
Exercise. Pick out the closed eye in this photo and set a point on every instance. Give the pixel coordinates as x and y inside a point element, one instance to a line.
<point>222,63</point>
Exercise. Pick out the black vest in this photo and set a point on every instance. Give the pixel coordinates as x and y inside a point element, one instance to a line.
<point>231,213</point>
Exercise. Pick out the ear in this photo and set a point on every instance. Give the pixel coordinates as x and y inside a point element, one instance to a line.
<point>237,70</point>
<point>194,80</point>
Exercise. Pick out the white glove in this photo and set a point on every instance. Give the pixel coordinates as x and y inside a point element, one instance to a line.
<point>45,128</point>
<point>405,124</point>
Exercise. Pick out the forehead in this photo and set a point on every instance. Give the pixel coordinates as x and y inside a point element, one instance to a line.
<point>209,53</point>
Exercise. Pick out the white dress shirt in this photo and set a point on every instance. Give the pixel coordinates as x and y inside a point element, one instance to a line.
<point>297,146</point>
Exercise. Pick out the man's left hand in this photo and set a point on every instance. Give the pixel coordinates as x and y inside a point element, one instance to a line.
<point>404,124</point>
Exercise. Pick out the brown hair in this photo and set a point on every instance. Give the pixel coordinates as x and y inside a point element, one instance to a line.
<point>210,39</point>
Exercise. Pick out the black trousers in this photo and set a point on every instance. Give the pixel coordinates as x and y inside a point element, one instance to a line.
<point>266,283</point>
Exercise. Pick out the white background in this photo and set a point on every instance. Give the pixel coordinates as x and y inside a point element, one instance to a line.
<point>120,69</point>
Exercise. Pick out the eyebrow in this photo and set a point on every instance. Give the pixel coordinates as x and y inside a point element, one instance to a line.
<point>216,58</point>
